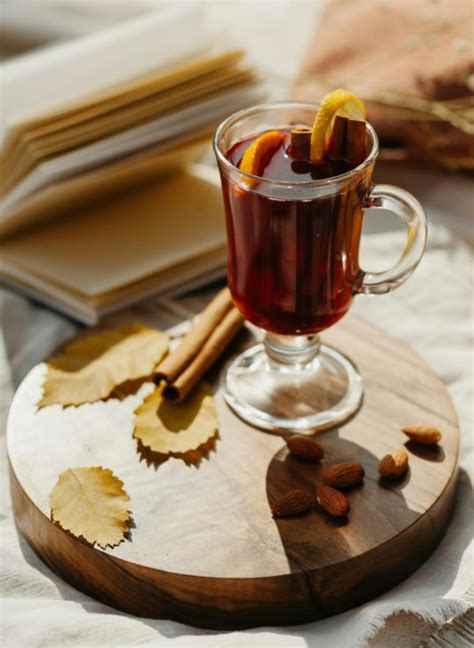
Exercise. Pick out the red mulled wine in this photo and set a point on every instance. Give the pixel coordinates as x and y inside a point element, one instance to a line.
<point>293,263</point>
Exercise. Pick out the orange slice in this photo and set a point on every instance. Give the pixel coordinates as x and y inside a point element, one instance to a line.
<point>338,102</point>
<point>258,154</point>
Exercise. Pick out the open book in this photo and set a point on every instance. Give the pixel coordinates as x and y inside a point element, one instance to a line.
<point>155,239</point>
<point>90,218</point>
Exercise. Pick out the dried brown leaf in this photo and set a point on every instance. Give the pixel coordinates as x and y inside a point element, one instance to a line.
<point>91,503</point>
<point>90,367</point>
<point>176,429</point>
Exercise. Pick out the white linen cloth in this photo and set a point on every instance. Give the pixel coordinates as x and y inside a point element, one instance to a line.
<point>433,607</point>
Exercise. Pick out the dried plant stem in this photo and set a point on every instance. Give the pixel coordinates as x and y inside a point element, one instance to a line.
<point>458,112</point>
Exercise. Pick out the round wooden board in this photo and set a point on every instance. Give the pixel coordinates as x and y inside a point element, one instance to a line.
<point>204,548</point>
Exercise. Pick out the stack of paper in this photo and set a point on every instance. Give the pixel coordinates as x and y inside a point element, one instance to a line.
<point>107,113</point>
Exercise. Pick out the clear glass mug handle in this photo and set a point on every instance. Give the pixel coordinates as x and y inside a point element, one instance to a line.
<point>412,214</point>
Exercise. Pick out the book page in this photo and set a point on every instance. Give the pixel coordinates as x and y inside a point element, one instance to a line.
<point>173,281</point>
<point>126,238</point>
<point>58,132</point>
<point>60,76</point>
<point>63,197</point>
<point>157,132</point>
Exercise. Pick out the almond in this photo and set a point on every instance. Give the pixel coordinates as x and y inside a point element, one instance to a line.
<point>394,464</point>
<point>342,475</point>
<point>420,433</point>
<point>294,502</point>
<point>304,448</point>
<point>332,501</point>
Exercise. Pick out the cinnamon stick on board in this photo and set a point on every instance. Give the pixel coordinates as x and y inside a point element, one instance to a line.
<point>175,362</point>
<point>201,346</point>
<point>212,349</point>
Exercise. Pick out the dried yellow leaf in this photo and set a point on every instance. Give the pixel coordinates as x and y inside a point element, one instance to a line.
<point>89,368</point>
<point>176,429</point>
<point>190,458</point>
<point>91,503</point>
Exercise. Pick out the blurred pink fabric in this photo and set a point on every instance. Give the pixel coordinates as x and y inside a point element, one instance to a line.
<point>393,53</point>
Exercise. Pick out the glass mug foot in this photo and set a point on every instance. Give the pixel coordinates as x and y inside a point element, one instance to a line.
<point>293,383</point>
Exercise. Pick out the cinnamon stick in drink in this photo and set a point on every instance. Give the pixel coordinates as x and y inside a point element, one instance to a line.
<point>337,145</point>
<point>355,141</point>
<point>174,363</point>
<point>300,142</point>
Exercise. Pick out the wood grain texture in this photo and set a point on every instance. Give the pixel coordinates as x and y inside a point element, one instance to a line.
<point>205,549</point>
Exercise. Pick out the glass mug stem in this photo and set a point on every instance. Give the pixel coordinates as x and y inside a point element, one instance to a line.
<point>291,352</point>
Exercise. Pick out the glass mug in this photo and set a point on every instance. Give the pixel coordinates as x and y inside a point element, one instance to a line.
<point>293,270</point>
